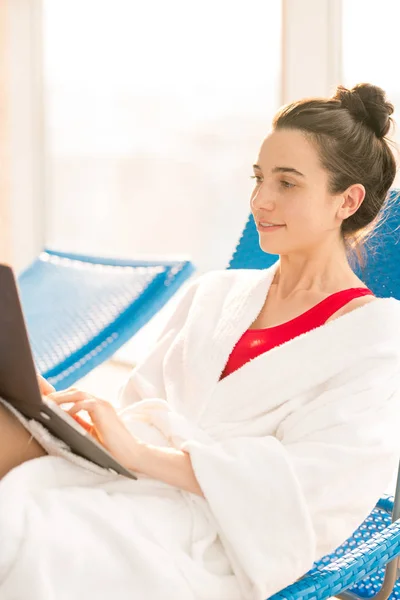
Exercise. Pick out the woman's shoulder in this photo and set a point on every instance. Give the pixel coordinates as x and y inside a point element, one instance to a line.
<point>377,319</point>
<point>219,283</point>
<point>219,276</point>
<point>353,305</point>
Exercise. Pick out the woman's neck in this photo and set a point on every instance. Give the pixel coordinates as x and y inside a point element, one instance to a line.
<point>316,274</point>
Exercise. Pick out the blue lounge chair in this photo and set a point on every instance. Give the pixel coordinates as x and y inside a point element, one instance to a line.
<point>80,310</point>
<point>366,565</point>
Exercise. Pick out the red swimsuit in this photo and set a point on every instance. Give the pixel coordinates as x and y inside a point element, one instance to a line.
<point>256,341</point>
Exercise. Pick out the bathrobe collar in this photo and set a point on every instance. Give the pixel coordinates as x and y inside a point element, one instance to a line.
<point>288,369</point>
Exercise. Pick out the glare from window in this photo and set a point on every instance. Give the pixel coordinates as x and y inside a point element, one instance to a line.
<point>155,112</point>
<point>370,47</point>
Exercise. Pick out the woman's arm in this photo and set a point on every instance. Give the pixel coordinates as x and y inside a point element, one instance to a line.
<point>165,464</point>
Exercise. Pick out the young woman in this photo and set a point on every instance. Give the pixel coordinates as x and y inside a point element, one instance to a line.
<point>263,426</point>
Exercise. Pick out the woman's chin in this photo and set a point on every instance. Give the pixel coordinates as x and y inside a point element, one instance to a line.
<point>270,248</point>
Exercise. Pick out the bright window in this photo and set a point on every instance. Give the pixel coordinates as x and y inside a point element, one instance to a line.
<point>155,112</point>
<point>370,47</point>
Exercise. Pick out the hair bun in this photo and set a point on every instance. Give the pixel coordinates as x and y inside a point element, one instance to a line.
<point>367,104</point>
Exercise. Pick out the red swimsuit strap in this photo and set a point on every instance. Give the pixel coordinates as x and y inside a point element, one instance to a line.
<point>319,313</point>
<point>257,341</point>
<point>335,302</point>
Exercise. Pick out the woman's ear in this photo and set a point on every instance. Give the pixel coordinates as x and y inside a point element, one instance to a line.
<point>352,200</point>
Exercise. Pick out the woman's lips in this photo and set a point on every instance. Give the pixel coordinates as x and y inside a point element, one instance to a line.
<point>269,228</point>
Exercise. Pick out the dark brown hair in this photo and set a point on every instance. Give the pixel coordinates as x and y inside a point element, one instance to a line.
<point>349,131</point>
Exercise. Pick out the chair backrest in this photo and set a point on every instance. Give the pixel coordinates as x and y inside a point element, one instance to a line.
<point>382,270</point>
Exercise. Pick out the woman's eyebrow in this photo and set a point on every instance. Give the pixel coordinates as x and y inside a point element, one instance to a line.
<point>287,170</point>
<point>281,170</point>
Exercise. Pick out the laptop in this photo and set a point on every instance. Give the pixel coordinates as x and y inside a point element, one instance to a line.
<point>20,388</point>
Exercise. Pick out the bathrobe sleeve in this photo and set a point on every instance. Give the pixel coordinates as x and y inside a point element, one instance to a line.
<point>281,502</point>
<point>146,379</point>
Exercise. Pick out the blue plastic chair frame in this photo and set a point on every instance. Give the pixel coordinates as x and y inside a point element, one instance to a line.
<point>80,309</point>
<point>366,565</point>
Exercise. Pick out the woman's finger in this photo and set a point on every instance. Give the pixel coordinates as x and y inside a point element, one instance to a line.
<point>102,415</point>
<point>70,395</point>
<point>88,425</point>
<point>88,405</point>
<point>45,387</point>
<point>98,410</point>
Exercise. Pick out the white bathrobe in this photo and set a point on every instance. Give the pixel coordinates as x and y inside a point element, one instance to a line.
<point>292,451</point>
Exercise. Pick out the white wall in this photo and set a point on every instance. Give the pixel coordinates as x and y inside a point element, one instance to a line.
<point>26,131</point>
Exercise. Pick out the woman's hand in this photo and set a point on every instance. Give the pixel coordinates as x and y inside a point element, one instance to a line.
<point>45,387</point>
<point>169,465</point>
<point>107,428</point>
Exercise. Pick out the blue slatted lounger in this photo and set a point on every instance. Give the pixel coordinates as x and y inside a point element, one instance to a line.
<point>80,310</point>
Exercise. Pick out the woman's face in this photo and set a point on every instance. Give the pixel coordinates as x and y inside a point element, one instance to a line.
<point>291,190</point>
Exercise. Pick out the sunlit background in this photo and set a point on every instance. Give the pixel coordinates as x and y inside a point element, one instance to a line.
<point>369,49</point>
<point>134,124</point>
<point>154,112</point>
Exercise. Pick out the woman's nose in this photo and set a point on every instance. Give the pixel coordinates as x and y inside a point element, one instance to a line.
<point>261,198</point>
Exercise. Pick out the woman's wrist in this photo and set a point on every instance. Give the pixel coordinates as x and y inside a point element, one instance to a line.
<point>169,465</point>
<point>165,464</point>
<point>138,456</point>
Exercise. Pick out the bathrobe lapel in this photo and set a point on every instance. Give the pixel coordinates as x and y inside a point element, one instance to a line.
<point>284,372</point>
<point>217,319</point>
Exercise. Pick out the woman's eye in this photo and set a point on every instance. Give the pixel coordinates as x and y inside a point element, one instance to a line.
<point>258,178</point>
<point>287,184</point>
